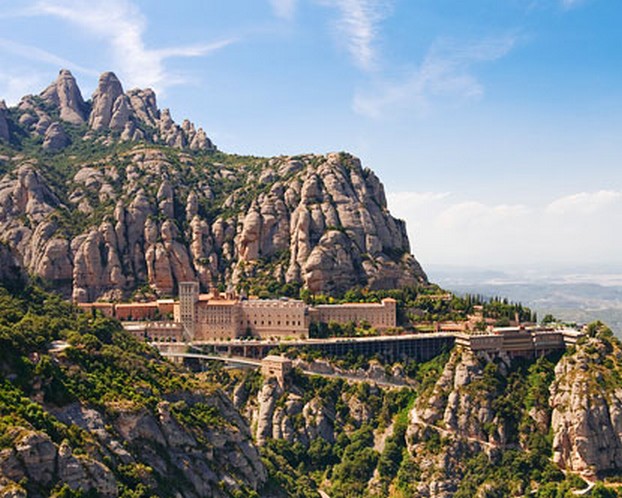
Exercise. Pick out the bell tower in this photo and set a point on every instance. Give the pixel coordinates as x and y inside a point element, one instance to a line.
<point>188,297</point>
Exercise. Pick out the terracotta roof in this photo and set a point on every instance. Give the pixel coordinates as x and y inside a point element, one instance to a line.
<point>138,305</point>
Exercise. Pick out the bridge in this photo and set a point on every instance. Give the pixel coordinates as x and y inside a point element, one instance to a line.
<point>206,357</point>
<point>418,347</point>
<point>248,362</point>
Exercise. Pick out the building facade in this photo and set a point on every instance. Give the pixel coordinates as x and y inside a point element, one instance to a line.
<point>380,316</point>
<point>208,317</point>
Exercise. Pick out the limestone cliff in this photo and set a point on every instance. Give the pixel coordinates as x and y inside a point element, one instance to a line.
<point>288,413</point>
<point>102,221</point>
<point>587,408</point>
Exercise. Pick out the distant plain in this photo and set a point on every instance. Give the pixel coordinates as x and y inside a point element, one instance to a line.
<point>573,294</point>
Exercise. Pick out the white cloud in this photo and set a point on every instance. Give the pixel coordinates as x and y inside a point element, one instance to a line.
<point>476,214</point>
<point>284,9</point>
<point>585,202</point>
<point>446,71</point>
<point>121,25</point>
<point>358,24</point>
<point>579,228</point>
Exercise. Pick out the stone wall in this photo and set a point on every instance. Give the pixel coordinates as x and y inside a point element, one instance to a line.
<point>378,315</point>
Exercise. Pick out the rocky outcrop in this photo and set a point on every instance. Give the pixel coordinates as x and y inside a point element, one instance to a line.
<point>459,409</point>
<point>108,103</point>
<point>66,96</point>
<point>110,115</point>
<point>4,123</point>
<point>55,138</point>
<point>207,461</point>
<point>287,412</point>
<point>341,234</point>
<point>455,406</point>
<point>320,221</point>
<point>36,458</point>
<point>134,113</point>
<point>587,410</point>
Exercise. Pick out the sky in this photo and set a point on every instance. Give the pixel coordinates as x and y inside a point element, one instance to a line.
<point>495,125</point>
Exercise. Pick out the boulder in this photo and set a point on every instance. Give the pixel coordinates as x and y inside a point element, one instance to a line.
<point>55,138</point>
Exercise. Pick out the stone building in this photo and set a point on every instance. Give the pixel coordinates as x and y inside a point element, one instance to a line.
<point>216,317</point>
<point>516,342</point>
<point>276,366</point>
<point>277,318</point>
<point>209,317</point>
<point>380,316</point>
<point>153,310</point>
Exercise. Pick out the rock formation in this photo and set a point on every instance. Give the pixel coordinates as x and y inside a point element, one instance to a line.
<point>55,138</point>
<point>106,416</point>
<point>108,104</point>
<point>4,123</point>
<point>110,115</point>
<point>159,216</point>
<point>66,96</point>
<point>35,456</point>
<point>278,412</point>
<point>319,221</point>
<point>587,410</point>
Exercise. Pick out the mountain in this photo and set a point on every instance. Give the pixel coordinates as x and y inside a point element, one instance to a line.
<point>106,197</point>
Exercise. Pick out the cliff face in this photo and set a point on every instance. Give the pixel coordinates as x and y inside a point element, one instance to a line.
<point>587,409</point>
<point>299,414</point>
<point>155,446</point>
<point>104,217</point>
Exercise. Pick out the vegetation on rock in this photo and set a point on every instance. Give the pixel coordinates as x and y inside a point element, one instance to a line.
<point>85,409</point>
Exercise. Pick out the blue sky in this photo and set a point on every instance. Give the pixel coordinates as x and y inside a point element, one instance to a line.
<point>496,125</point>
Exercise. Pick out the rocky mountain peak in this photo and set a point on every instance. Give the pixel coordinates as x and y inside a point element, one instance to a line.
<point>107,99</point>
<point>65,94</point>
<point>111,113</point>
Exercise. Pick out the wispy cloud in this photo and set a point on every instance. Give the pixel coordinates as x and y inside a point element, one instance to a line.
<point>284,9</point>
<point>121,25</point>
<point>571,4</point>
<point>446,70</point>
<point>358,26</point>
<point>37,54</point>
